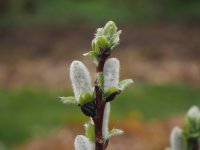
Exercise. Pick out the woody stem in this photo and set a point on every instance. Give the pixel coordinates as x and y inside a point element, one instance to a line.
<point>100,103</point>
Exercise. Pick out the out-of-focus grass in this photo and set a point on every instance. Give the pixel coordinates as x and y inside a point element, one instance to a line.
<point>29,111</point>
<point>156,101</point>
<point>24,112</point>
<point>40,12</point>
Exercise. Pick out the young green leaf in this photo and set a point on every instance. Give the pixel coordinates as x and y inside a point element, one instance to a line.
<point>100,80</point>
<point>94,55</point>
<point>87,54</point>
<point>111,93</point>
<point>90,131</point>
<point>84,98</point>
<point>124,83</point>
<point>194,112</point>
<point>114,132</point>
<point>109,29</point>
<point>68,100</point>
<point>99,32</point>
<point>191,128</point>
<point>115,39</point>
<point>91,53</point>
<point>102,43</point>
<point>93,44</point>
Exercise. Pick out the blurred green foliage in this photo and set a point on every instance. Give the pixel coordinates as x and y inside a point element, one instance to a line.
<point>26,12</point>
<point>30,111</point>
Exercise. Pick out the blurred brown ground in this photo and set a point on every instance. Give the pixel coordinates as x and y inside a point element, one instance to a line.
<point>41,56</point>
<point>139,135</point>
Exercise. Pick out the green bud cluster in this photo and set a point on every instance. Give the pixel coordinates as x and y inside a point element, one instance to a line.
<point>106,37</point>
<point>187,138</point>
<point>191,129</point>
<point>105,40</point>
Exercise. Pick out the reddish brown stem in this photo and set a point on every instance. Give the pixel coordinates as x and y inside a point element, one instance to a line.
<point>100,144</point>
<point>98,119</point>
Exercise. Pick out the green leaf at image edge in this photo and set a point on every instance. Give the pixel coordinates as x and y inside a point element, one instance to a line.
<point>68,100</point>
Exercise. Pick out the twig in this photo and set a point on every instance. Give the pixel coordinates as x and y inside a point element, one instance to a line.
<point>100,144</point>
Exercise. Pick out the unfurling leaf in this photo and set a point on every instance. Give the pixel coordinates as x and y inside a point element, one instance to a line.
<point>100,80</point>
<point>68,100</point>
<point>90,131</point>
<point>124,83</point>
<point>111,93</point>
<point>94,55</point>
<point>194,112</point>
<point>115,39</point>
<point>109,30</point>
<point>84,98</point>
<point>99,32</point>
<point>114,132</point>
<point>102,43</point>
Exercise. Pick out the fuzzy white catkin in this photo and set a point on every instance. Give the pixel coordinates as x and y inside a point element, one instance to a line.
<point>82,143</point>
<point>111,73</point>
<point>80,77</point>
<point>106,115</point>
<point>194,112</point>
<point>111,78</point>
<point>176,139</point>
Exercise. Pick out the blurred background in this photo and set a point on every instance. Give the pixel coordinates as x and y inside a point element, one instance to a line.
<point>159,50</point>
